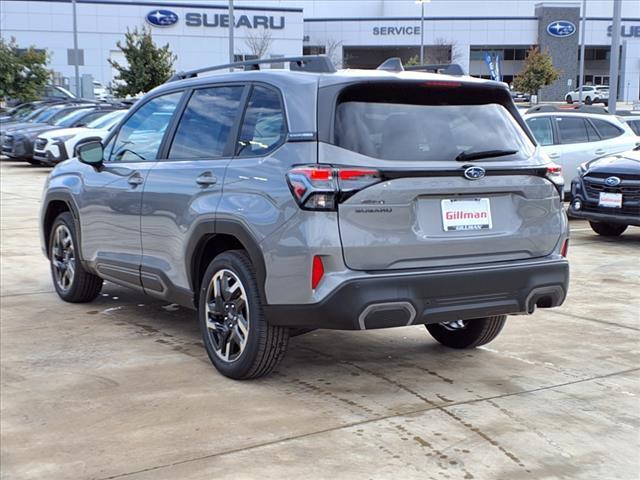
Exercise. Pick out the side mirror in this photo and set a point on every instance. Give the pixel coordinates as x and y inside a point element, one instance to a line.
<point>91,153</point>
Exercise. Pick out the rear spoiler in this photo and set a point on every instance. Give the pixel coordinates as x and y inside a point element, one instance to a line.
<point>394,64</point>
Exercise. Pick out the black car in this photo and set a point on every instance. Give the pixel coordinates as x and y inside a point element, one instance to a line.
<point>607,193</point>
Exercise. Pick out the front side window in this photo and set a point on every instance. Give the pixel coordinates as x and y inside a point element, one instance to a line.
<point>572,130</point>
<point>606,129</point>
<point>542,129</point>
<point>140,136</point>
<point>206,123</point>
<point>263,127</point>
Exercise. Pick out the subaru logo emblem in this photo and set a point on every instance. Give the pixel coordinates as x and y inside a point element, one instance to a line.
<point>162,18</point>
<point>474,173</point>
<point>612,181</point>
<point>561,28</point>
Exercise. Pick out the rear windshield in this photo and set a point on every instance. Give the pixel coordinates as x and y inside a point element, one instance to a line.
<point>414,131</point>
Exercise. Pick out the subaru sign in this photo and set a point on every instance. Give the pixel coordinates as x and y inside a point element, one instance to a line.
<point>162,18</point>
<point>561,28</point>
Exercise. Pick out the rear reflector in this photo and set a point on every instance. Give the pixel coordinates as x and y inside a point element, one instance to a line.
<point>317,271</point>
<point>565,248</point>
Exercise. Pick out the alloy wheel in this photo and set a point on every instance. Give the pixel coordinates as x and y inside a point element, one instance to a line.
<point>227,315</point>
<point>63,258</point>
<point>454,325</point>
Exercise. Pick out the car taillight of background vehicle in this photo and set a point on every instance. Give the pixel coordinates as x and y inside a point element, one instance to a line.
<point>554,174</point>
<point>323,187</point>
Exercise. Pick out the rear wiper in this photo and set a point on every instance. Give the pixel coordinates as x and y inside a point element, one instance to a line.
<point>464,156</point>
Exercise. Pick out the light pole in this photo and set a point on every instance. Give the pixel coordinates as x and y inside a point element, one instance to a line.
<point>615,56</point>
<point>422,2</point>
<point>75,51</point>
<point>231,27</point>
<point>583,28</point>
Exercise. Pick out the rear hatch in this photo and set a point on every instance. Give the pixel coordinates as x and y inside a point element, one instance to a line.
<point>459,179</point>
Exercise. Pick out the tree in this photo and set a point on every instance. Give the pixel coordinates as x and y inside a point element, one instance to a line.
<point>441,51</point>
<point>259,43</point>
<point>333,50</point>
<point>538,72</point>
<point>23,71</point>
<point>147,65</point>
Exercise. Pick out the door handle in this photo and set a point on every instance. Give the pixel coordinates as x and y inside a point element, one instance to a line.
<point>135,180</point>
<point>206,179</point>
<point>554,155</point>
<point>600,152</point>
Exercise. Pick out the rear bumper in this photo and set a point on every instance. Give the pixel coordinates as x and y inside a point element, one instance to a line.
<point>393,300</point>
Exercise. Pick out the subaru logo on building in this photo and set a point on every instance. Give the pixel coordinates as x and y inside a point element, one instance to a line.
<point>162,18</point>
<point>561,28</point>
<point>474,173</point>
<point>612,181</point>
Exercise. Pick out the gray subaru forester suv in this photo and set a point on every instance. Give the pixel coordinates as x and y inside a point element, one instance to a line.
<point>279,201</point>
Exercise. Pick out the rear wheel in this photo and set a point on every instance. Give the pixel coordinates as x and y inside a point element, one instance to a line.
<point>72,282</point>
<point>608,229</point>
<point>239,341</point>
<point>569,99</point>
<point>467,333</point>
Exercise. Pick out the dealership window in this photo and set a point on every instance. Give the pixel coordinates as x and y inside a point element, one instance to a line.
<point>241,57</point>
<point>314,50</point>
<point>204,128</point>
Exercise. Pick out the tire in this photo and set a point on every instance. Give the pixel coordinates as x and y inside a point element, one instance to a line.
<point>608,229</point>
<point>468,334</point>
<point>252,347</point>
<point>35,163</point>
<point>569,99</point>
<point>71,281</point>
<point>588,101</point>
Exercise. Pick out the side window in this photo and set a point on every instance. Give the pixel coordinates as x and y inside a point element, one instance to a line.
<point>140,136</point>
<point>542,129</point>
<point>263,126</point>
<point>606,129</point>
<point>205,125</point>
<point>572,130</point>
<point>635,126</point>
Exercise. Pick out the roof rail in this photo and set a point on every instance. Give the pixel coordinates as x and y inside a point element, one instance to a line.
<point>568,109</point>
<point>394,64</point>
<point>305,63</point>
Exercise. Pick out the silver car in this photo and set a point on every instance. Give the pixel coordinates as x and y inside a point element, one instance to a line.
<point>275,202</point>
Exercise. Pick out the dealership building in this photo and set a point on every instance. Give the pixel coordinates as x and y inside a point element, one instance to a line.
<point>487,38</point>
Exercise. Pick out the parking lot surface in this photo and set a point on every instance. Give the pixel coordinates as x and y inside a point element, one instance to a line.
<point>122,387</point>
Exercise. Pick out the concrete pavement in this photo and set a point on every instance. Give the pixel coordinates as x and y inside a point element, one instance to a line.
<point>122,388</point>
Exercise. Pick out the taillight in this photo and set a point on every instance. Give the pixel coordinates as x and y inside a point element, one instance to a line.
<point>317,271</point>
<point>565,248</point>
<point>554,174</point>
<point>323,187</point>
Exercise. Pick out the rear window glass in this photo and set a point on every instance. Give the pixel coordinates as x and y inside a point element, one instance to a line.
<point>542,129</point>
<point>572,130</point>
<point>635,126</point>
<point>413,131</point>
<point>606,129</point>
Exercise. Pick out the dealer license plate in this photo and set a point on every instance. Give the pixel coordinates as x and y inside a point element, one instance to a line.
<point>610,200</point>
<point>468,214</point>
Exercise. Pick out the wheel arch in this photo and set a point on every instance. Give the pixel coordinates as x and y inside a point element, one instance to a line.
<point>214,237</point>
<point>55,204</point>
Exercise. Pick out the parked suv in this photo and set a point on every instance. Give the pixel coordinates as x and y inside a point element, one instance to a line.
<point>276,201</point>
<point>590,94</point>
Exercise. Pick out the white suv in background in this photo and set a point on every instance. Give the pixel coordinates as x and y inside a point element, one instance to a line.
<point>570,138</point>
<point>590,94</point>
<point>57,145</point>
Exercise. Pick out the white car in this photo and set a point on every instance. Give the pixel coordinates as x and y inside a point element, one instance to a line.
<point>55,146</point>
<point>571,138</point>
<point>99,91</point>
<point>590,94</point>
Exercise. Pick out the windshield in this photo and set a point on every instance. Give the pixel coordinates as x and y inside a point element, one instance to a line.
<point>70,118</point>
<point>409,132</point>
<point>106,121</point>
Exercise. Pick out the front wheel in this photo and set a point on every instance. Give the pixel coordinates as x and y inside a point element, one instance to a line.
<point>608,229</point>
<point>239,341</point>
<point>569,99</point>
<point>588,101</point>
<point>72,282</point>
<point>467,333</point>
